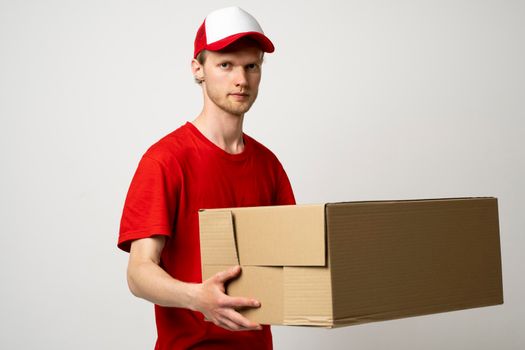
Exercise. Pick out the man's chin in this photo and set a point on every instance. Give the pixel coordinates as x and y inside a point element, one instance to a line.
<point>238,110</point>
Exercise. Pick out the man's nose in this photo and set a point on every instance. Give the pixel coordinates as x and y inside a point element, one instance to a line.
<point>240,77</point>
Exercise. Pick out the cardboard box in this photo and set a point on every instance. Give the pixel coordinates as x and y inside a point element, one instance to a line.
<point>340,264</point>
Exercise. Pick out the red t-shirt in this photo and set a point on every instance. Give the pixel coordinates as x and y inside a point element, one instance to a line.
<point>177,176</point>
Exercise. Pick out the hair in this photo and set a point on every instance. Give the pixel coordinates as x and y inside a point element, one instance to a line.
<point>201,56</point>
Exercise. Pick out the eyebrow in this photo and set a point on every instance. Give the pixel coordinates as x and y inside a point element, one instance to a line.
<point>230,57</point>
<point>230,61</point>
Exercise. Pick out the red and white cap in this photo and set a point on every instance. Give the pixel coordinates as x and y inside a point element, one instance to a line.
<point>225,26</point>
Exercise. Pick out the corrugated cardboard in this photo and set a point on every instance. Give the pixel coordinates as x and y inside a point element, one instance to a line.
<point>339,264</point>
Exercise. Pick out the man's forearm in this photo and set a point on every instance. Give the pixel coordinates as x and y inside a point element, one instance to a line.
<point>149,281</point>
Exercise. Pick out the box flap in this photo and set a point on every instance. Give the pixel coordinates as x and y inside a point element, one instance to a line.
<point>308,296</point>
<point>217,238</point>
<point>291,235</point>
<point>270,293</point>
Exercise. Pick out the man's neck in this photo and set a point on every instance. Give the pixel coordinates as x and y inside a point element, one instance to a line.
<point>223,129</point>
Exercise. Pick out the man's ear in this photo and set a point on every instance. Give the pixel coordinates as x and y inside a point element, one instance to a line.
<point>197,70</point>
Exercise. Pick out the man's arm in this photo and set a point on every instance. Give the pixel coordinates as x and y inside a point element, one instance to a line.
<point>147,280</point>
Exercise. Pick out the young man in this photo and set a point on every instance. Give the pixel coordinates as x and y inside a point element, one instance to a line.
<point>208,163</point>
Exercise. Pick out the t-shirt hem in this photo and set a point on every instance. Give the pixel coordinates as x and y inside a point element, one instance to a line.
<point>125,239</point>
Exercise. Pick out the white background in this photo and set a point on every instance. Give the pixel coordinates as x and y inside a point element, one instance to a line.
<point>361,100</point>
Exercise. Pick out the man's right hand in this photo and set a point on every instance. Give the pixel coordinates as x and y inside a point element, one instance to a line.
<point>149,281</point>
<point>219,308</point>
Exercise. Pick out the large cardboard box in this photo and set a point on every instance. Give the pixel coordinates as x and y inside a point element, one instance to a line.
<point>339,264</point>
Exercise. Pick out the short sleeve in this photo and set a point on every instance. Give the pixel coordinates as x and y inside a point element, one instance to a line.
<point>151,202</point>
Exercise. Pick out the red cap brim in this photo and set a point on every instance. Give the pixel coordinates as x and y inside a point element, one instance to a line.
<point>265,43</point>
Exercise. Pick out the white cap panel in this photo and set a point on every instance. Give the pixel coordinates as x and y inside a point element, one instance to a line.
<point>229,21</point>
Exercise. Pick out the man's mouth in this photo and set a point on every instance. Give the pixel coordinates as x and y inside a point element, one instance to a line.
<point>239,96</point>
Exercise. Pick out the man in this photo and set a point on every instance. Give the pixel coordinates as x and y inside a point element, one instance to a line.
<point>208,163</point>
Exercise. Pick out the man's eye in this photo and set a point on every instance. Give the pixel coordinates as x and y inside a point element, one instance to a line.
<point>252,66</point>
<point>225,65</point>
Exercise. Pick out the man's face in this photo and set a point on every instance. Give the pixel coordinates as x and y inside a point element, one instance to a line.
<point>231,78</point>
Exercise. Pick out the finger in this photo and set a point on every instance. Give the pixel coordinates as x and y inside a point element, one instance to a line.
<point>228,274</point>
<point>240,320</point>
<point>241,302</point>
<point>226,323</point>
